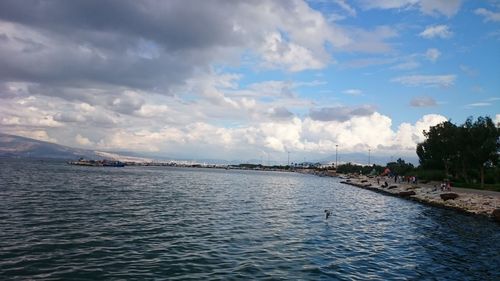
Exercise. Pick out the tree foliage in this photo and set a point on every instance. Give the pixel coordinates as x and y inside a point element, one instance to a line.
<point>350,168</point>
<point>400,167</point>
<point>461,151</point>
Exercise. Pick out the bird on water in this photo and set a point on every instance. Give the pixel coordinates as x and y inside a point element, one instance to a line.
<point>327,213</point>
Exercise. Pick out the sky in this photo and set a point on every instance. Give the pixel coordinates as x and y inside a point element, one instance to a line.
<point>240,80</point>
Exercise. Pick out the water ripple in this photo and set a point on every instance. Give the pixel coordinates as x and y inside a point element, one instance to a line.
<point>66,222</point>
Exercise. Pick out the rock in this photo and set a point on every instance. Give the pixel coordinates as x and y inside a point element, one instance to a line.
<point>364,181</point>
<point>496,215</point>
<point>406,193</point>
<point>392,187</point>
<point>448,196</point>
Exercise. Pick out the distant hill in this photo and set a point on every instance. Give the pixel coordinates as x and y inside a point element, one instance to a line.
<point>21,147</point>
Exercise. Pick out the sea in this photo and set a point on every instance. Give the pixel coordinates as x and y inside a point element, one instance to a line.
<point>63,222</point>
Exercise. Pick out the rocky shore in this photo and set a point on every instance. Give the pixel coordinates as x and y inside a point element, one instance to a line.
<point>477,203</point>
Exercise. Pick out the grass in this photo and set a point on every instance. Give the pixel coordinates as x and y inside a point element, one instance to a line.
<point>493,187</point>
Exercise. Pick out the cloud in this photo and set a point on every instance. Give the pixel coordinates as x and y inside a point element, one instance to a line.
<point>277,53</point>
<point>297,135</point>
<point>34,134</point>
<point>280,113</point>
<point>445,7</point>
<point>186,80</point>
<point>433,31</point>
<point>152,110</point>
<point>20,114</point>
<point>432,54</point>
<point>182,128</point>
<point>367,62</point>
<point>487,14</point>
<point>423,102</point>
<point>408,135</point>
<point>369,41</point>
<point>346,7</point>
<point>73,45</point>
<point>479,104</point>
<point>126,103</point>
<point>497,120</point>
<point>426,80</point>
<point>83,141</point>
<point>429,7</point>
<point>406,65</point>
<point>273,88</point>
<point>353,92</point>
<point>468,70</point>
<point>66,117</point>
<point>340,113</point>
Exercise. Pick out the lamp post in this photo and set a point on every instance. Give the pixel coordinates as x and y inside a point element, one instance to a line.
<point>336,156</point>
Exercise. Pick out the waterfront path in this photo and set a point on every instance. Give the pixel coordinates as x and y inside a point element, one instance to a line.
<point>481,202</point>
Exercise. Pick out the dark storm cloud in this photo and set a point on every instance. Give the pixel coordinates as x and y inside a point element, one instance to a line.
<point>340,113</point>
<point>150,45</point>
<point>175,24</point>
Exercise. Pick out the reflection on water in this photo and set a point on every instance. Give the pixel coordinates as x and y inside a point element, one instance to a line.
<point>68,222</point>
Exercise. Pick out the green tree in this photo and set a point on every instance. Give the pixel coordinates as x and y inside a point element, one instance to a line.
<point>400,167</point>
<point>439,150</point>
<point>482,144</point>
<point>463,151</point>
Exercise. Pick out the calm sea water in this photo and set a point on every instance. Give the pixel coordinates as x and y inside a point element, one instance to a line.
<point>61,222</point>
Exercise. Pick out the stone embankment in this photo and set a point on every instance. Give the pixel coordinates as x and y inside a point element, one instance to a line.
<point>431,194</point>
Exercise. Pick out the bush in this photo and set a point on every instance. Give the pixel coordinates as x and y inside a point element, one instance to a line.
<point>430,175</point>
<point>492,176</point>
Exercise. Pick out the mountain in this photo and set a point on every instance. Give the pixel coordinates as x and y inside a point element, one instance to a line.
<point>21,147</point>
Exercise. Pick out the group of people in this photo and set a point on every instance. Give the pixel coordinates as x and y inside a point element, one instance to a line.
<point>446,185</point>
<point>401,179</point>
<point>407,179</point>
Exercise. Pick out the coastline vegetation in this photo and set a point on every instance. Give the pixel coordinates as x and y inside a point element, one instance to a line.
<point>466,154</point>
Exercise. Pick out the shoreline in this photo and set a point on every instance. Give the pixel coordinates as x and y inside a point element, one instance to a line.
<point>468,202</point>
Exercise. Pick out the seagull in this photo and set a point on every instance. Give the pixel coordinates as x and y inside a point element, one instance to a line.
<point>327,213</point>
